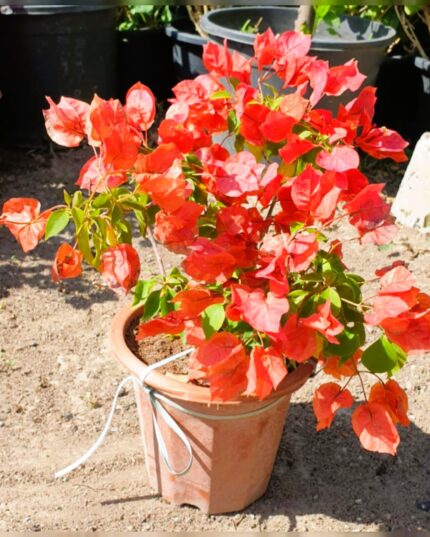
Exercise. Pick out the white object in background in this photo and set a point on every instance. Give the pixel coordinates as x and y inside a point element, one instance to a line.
<point>412,204</point>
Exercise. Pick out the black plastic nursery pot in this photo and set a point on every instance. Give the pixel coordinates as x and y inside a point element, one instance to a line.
<point>423,120</point>
<point>145,56</point>
<point>187,48</point>
<point>355,37</point>
<point>55,51</point>
<point>402,103</point>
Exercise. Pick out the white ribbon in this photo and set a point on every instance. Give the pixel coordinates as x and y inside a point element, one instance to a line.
<point>102,436</point>
<point>159,410</point>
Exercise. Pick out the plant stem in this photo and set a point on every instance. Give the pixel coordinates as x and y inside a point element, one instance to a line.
<point>157,255</point>
<point>361,382</point>
<point>346,384</point>
<point>409,30</point>
<point>374,374</point>
<point>306,16</point>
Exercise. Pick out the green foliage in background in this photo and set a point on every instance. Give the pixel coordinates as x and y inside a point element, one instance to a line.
<point>134,17</point>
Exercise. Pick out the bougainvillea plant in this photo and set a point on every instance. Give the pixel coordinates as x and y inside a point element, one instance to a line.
<point>246,181</point>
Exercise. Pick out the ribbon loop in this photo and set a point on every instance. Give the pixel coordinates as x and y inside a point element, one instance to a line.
<point>156,408</point>
<point>159,410</point>
<point>155,399</point>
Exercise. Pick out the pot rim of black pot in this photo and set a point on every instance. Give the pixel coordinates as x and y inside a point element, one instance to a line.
<point>50,9</point>
<point>174,31</point>
<point>319,39</point>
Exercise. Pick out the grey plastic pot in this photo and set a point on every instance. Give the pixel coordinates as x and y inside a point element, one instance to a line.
<point>358,38</point>
<point>187,49</point>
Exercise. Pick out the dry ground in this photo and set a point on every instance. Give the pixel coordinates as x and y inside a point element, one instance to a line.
<point>57,381</point>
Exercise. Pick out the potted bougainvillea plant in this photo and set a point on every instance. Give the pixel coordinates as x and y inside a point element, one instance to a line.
<point>261,293</point>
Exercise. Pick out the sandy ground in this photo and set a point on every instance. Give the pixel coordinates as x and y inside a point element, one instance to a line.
<point>57,380</point>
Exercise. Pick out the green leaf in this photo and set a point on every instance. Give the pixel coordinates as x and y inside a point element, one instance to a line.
<point>67,198</point>
<point>322,11</point>
<point>84,244</point>
<point>232,121</point>
<point>297,296</point>
<point>140,217</point>
<point>349,342</point>
<point>151,305</point>
<point>176,278</point>
<point>222,94</point>
<point>296,226</point>
<point>349,290</point>
<point>78,199</point>
<point>412,9</point>
<point>57,221</point>
<point>331,294</point>
<point>101,201</point>
<point>165,305</point>
<point>212,319</point>
<point>331,267</point>
<point>116,215</point>
<point>142,290</point>
<point>78,216</point>
<point>401,361</point>
<point>239,143</point>
<point>383,356</point>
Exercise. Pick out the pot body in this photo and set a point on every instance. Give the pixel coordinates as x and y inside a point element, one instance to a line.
<point>57,51</point>
<point>401,103</point>
<point>423,104</point>
<point>232,458</point>
<point>145,56</point>
<point>358,38</point>
<point>187,49</point>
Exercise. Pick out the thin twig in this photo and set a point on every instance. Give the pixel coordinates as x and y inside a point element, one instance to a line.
<point>409,30</point>
<point>157,255</point>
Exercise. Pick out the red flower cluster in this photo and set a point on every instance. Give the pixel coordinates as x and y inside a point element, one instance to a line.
<point>261,289</point>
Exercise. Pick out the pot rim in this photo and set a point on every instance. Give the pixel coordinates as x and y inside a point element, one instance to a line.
<point>36,10</point>
<point>182,390</point>
<point>182,36</point>
<point>325,42</point>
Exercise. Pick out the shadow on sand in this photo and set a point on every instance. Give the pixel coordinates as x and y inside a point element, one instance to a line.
<point>328,473</point>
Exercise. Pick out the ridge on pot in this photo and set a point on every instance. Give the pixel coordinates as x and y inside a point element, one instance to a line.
<point>234,449</point>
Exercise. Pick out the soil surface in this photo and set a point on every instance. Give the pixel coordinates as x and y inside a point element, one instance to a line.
<point>154,349</point>
<point>58,379</point>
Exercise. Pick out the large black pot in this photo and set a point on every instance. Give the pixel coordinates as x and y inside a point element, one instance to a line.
<point>358,38</point>
<point>54,51</point>
<point>145,56</point>
<point>187,49</point>
<point>403,90</point>
<point>423,67</point>
<point>401,101</point>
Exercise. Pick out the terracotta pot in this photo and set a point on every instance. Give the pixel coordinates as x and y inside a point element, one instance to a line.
<point>233,458</point>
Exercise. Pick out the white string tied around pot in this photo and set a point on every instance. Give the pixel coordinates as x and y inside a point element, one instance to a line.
<point>158,410</point>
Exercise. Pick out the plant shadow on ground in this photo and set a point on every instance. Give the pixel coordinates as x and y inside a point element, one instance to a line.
<point>328,473</point>
<point>18,270</point>
<point>43,175</point>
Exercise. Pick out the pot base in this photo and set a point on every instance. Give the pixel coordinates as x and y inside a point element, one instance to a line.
<point>232,459</point>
